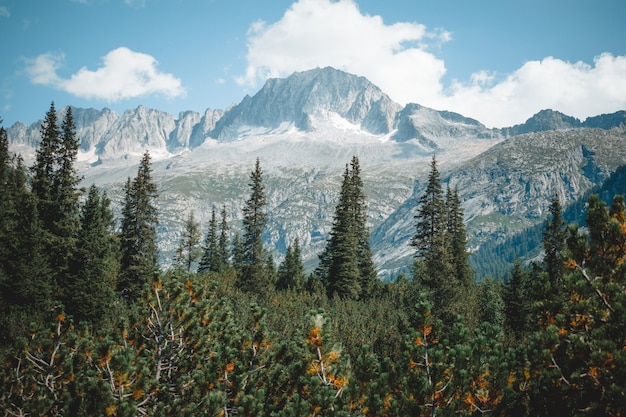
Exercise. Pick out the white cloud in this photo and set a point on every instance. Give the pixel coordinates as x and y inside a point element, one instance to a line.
<point>577,89</point>
<point>399,59</point>
<point>321,33</point>
<point>4,11</point>
<point>124,74</point>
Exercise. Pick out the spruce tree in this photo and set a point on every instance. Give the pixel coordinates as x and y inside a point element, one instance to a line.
<point>223,243</point>
<point>45,168</point>
<point>211,259</point>
<point>346,266</point>
<point>554,236</point>
<point>517,301</point>
<point>91,287</point>
<point>368,277</point>
<point>434,264</point>
<point>457,238</point>
<point>55,185</point>
<point>188,252</point>
<point>26,284</point>
<point>291,271</point>
<point>254,277</point>
<point>139,252</point>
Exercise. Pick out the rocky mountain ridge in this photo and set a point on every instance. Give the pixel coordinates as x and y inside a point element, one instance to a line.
<point>305,128</point>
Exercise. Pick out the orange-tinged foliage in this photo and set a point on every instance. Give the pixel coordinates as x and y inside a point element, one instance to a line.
<point>230,367</point>
<point>315,336</point>
<point>137,393</point>
<point>111,410</point>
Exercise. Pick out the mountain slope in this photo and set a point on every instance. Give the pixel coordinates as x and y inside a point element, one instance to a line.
<point>305,128</point>
<point>306,96</point>
<point>509,187</point>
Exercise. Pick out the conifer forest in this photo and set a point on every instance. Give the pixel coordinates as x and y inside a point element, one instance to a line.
<point>93,325</point>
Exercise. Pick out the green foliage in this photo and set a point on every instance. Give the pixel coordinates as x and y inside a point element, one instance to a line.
<point>291,271</point>
<point>253,275</point>
<point>554,235</point>
<point>346,267</point>
<point>547,342</point>
<point>139,252</point>
<point>188,251</point>
<point>211,257</point>
<point>442,266</point>
<point>90,290</point>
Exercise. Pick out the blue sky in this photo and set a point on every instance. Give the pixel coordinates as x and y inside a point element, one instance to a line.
<point>497,61</point>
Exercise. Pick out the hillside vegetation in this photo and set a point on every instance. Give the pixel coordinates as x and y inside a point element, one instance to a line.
<point>93,325</point>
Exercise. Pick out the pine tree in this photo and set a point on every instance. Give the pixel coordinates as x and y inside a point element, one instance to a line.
<point>554,236</point>
<point>237,255</point>
<point>210,258</point>
<point>368,277</point>
<point>188,252</point>
<point>91,287</point>
<point>26,282</point>
<point>45,168</point>
<point>346,267</point>
<point>223,243</point>
<point>431,242</point>
<point>254,277</point>
<point>457,238</point>
<point>517,301</point>
<point>339,267</point>
<point>139,261</point>
<point>291,271</point>
<point>55,185</point>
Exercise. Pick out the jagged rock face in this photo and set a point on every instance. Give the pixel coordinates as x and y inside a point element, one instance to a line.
<point>544,121</point>
<point>206,125</point>
<point>91,125</point>
<point>432,129</point>
<point>305,96</point>
<point>181,135</point>
<point>138,130</point>
<point>510,186</point>
<point>306,128</point>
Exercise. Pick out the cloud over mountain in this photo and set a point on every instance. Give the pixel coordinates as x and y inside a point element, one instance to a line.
<point>124,74</point>
<point>401,58</point>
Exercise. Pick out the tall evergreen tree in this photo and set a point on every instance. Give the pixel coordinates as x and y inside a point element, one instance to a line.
<point>517,301</point>
<point>91,287</point>
<point>431,242</point>
<point>139,252</point>
<point>223,242</point>
<point>26,285</point>
<point>211,260</point>
<point>368,277</point>
<point>188,250</point>
<point>55,185</point>
<point>346,266</point>
<point>291,270</point>
<point>554,236</point>
<point>457,238</point>
<point>237,255</point>
<point>254,277</point>
<point>44,169</point>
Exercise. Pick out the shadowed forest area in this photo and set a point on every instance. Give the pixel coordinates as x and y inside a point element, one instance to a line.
<point>92,325</point>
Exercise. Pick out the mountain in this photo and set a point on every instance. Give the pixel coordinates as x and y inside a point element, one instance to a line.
<point>304,129</point>
<point>509,187</point>
<point>305,99</point>
<point>547,120</point>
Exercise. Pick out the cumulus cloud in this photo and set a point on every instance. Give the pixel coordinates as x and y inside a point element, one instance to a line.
<point>578,89</point>
<point>326,33</point>
<point>124,74</point>
<point>400,59</point>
